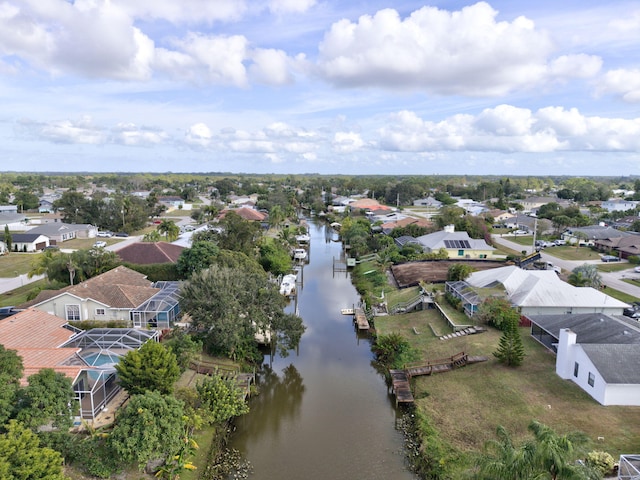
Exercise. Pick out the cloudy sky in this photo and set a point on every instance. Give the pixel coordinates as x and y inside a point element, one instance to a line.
<point>321,86</point>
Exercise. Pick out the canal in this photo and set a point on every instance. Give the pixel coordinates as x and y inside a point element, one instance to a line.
<point>324,412</point>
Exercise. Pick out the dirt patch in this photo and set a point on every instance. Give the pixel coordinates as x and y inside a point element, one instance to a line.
<point>434,271</point>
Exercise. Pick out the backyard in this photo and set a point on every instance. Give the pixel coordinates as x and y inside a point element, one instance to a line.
<point>467,404</point>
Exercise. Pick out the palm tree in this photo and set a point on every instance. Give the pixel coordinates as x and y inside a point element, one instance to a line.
<point>170,230</point>
<point>503,459</point>
<point>556,455</point>
<point>276,216</point>
<point>585,276</point>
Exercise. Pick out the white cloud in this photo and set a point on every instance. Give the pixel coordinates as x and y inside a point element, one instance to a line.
<point>198,135</point>
<point>132,135</point>
<point>346,142</point>
<point>622,82</point>
<point>464,52</point>
<point>270,67</point>
<point>215,59</point>
<point>185,11</point>
<point>81,131</point>
<point>290,6</point>
<point>511,129</point>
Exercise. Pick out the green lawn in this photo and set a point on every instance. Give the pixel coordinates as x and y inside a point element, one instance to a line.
<point>466,405</point>
<point>613,267</point>
<point>622,296</point>
<point>15,264</point>
<point>573,253</point>
<point>19,295</point>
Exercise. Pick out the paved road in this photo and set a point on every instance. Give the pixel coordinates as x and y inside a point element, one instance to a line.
<point>613,279</point>
<point>8,284</point>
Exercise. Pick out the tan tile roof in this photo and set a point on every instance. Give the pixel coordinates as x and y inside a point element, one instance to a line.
<point>369,203</point>
<point>246,213</point>
<point>35,335</point>
<point>33,328</point>
<point>120,287</point>
<point>145,253</point>
<point>35,359</point>
<point>403,222</point>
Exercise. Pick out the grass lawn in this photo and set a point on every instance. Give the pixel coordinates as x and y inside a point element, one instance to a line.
<point>15,264</point>
<point>19,295</point>
<point>466,405</point>
<point>622,296</point>
<point>614,267</point>
<point>573,253</point>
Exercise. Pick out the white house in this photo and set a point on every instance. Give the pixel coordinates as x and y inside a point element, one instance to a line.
<point>618,205</point>
<point>542,292</point>
<point>600,353</point>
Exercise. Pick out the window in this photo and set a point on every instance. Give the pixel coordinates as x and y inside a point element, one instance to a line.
<point>72,312</point>
<point>592,379</point>
<point>460,253</point>
<point>576,366</point>
<point>100,312</point>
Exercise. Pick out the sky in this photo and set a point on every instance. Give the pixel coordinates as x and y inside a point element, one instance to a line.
<point>331,87</point>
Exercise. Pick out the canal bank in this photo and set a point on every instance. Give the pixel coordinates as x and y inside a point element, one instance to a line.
<point>324,411</point>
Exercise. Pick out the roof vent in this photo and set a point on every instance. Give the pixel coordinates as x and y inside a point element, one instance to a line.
<point>625,332</point>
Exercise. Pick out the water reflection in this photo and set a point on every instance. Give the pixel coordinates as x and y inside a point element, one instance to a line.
<point>324,412</point>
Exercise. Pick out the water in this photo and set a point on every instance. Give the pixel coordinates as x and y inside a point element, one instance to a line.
<point>323,413</point>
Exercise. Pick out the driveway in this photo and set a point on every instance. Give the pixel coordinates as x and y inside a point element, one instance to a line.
<point>613,279</point>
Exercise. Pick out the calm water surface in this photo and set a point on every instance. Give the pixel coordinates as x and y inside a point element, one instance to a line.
<point>324,412</point>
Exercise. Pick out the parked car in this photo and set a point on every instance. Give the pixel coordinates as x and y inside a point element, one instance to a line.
<point>121,234</point>
<point>559,243</point>
<point>637,269</point>
<point>106,233</point>
<point>100,244</point>
<point>520,232</point>
<point>610,258</point>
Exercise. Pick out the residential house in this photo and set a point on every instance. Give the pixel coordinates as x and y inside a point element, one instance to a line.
<point>43,340</point>
<point>428,202</point>
<point>532,204</point>
<point>15,221</point>
<point>8,209</point>
<point>59,232</point>
<point>457,244</point>
<point>624,246</point>
<point>471,206</point>
<point>502,217</point>
<point>45,206</point>
<point>368,204</point>
<point>28,242</point>
<point>619,205</point>
<point>171,202</point>
<point>121,294</point>
<point>247,213</point>
<point>590,234</point>
<point>533,292</point>
<point>405,222</point>
<point>600,353</point>
<point>146,253</point>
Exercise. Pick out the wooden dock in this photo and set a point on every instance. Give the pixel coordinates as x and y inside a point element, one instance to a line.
<point>401,378</point>
<point>361,319</point>
<point>401,386</point>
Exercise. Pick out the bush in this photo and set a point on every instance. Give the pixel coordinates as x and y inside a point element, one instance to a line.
<point>601,461</point>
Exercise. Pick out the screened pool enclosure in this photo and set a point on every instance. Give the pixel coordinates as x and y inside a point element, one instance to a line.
<point>161,310</point>
<point>100,350</point>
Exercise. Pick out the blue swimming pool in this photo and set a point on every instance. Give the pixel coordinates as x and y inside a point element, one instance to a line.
<point>96,359</point>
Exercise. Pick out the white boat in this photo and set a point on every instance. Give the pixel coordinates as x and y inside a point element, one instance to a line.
<point>303,238</point>
<point>299,254</point>
<point>288,285</point>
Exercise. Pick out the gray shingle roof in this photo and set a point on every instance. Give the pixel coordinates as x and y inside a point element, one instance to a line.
<point>591,328</point>
<point>618,364</point>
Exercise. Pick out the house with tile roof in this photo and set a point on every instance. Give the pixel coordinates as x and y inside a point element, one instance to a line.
<point>121,294</point>
<point>87,358</point>
<point>458,245</point>
<point>247,213</point>
<point>148,253</point>
<point>600,353</point>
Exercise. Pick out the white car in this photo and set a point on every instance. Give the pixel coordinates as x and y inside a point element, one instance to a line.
<point>637,269</point>
<point>100,244</point>
<point>106,234</point>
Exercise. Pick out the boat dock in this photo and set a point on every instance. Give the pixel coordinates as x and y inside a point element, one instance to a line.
<point>401,379</point>
<point>361,319</point>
